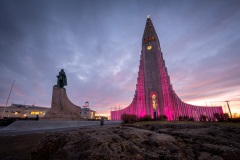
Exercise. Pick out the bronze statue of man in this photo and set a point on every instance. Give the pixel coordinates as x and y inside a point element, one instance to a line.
<point>62,79</point>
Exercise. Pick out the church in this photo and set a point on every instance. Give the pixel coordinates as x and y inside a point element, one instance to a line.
<point>154,94</point>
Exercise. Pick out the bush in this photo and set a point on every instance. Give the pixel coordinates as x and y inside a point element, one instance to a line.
<point>145,118</point>
<point>185,118</point>
<point>180,118</point>
<point>203,118</point>
<point>226,116</point>
<point>220,117</point>
<point>129,118</point>
<point>237,120</point>
<point>191,119</point>
<point>162,118</point>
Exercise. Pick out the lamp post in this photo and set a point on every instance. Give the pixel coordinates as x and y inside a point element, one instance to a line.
<point>7,100</point>
<point>229,108</point>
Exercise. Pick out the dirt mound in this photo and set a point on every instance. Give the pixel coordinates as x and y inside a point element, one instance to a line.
<point>18,147</point>
<point>162,142</point>
<point>203,141</point>
<point>108,143</point>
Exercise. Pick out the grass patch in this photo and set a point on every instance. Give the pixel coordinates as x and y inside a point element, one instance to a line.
<point>226,124</point>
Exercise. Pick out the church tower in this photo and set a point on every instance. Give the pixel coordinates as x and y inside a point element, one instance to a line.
<point>154,93</point>
<point>156,80</point>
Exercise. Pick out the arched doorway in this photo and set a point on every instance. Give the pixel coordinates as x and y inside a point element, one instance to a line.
<point>154,104</point>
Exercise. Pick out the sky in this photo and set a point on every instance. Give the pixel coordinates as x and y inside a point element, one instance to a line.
<point>98,44</point>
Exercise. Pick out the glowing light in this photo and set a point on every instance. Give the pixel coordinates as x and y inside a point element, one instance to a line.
<point>149,47</point>
<point>36,113</point>
<point>154,104</point>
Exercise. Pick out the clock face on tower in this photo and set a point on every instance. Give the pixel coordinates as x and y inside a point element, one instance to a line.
<point>149,47</point>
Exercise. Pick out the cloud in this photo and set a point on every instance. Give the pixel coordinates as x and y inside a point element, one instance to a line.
<point>98,43</point>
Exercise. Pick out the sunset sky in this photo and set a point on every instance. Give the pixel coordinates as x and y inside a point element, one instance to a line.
<point>98,44</point>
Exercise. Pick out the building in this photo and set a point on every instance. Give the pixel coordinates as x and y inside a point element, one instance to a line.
<point>23,111</point>
<point>31,111</point>
<point>154,93</point>
<point>86,112</point>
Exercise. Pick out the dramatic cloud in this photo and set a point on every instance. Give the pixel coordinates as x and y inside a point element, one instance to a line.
<point>98,43</point>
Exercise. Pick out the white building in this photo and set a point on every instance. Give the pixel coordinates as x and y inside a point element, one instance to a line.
<point>31,111</point>
<point>23,111</point>
<point>86,112</point>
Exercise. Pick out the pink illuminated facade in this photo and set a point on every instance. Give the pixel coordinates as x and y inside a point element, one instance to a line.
<point>154,93</point>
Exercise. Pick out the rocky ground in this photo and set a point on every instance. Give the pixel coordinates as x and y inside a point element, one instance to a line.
<point>18,147</point>
<point>138,141</point>
<point>143,141</point>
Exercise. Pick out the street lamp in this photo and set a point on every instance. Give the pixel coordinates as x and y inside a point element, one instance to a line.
<point>229,108</point>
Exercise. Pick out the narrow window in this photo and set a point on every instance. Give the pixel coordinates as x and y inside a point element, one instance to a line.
<point>153,38</point>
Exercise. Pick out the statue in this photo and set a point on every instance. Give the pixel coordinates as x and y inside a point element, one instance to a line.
<point>62,79</point>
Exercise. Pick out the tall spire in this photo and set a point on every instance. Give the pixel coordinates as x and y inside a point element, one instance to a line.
<point>149,32</point>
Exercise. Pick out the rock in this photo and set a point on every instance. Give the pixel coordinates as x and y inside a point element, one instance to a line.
<point>165,142</point>
<point>110,143</point>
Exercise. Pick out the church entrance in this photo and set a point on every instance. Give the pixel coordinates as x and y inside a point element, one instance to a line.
<point>154,105</point>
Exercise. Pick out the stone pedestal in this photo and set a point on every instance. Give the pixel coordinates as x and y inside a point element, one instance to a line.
<point>62,108</point>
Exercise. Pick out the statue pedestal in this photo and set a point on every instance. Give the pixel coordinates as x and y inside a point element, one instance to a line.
<point>62,108</point>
